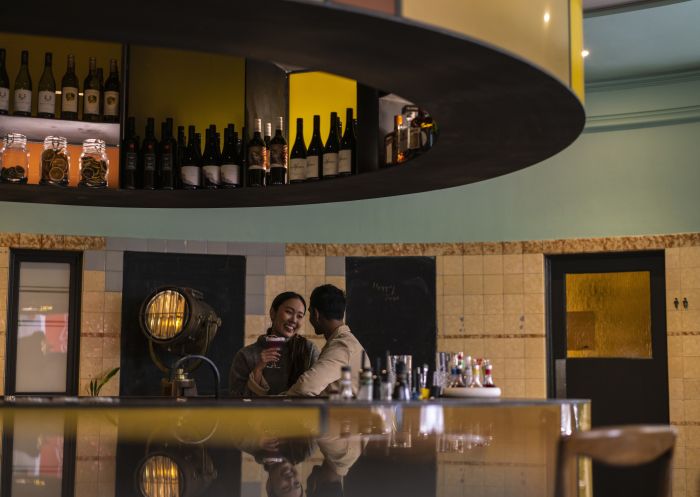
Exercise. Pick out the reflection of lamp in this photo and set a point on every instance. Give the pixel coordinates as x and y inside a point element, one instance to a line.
<point>181,322</point>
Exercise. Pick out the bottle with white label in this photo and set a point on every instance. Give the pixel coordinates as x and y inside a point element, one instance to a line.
<point>189,169</point>
<point>46,105</point>
<point>130,157</point>
<point>314,155</point>
<point>91,94</point>
<point>4,85</point>
<point>278,156</point>
<point>330,151</point>
<point>111,94</point>
<point>297,159</point>
<point>211,170</point>
<point>230,160</point>
<point>149,149</point>
<point>257,157</point>
<point>69,91</point>
<point>346,156</point>
<point>23,88</point>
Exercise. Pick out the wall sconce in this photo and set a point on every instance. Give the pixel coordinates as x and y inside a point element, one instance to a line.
<point>179,321</point>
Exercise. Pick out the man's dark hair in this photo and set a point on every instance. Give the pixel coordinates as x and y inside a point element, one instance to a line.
<point>329,301</point>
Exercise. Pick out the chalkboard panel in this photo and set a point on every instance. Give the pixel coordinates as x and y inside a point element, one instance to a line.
<point>391,305</point>
<point>221,278</point>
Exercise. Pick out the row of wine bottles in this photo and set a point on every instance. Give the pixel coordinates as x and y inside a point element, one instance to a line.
<point>175,163</point>
<point>100,97</point>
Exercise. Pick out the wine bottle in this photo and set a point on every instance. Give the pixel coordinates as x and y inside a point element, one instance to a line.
<point>180,153</point>
<point>189,170</point>
<point>111,94</point>
<point>211,171</point>
<point>267,138</point>
<point>4,85</point>
<point>347,154</point>
<point>100,78</point>
<point>166,156</point>
<point>91,94</point>
<point>23,88</point>
<point>198,155</point>
<point>314,155</point>
<point>69,92</point>
<point>330,152</point>
<point>297,160</point>
<point>278,156</point>
<point>243,155</point>
<point>47,90</point>
<point>230,162</point>
<point>257,156</point>
<point>130,158</point>
<point>149,149</point>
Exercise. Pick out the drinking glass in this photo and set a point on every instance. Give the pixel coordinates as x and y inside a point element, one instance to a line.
<point>274,342</point>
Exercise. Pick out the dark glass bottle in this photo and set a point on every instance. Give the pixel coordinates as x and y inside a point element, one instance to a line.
<point>314,154</point>
<point>278,156</point>
<point>257,156</point>
<point>149,151</point>
<point>401,390</point>
<point>130,156</point>
<point>330,151</point>
<point>180,153</point>
<point>230,160</point>
<point>4,85</point>
<point>46,104</point>
<point>189,170</point>
<point>111,94</point>
<point>297,159</point>
<point>211,171</point>
<point>166,156</point>
<point>91,94</point>
<point>243,154</point>
<point>70,89</point>
<point>267,138</point>
<point>23,88</point>
<point>347,154</point>
<point>100,78</point>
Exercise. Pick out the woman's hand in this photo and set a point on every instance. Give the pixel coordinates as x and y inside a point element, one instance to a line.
<point>266,356</point>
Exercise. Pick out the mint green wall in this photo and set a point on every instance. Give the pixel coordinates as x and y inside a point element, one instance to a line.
<point>636,171</point>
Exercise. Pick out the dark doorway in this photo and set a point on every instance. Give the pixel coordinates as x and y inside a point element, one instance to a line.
<point>607,337</point>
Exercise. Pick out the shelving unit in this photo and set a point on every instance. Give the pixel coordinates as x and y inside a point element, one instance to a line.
<point>36,129</point>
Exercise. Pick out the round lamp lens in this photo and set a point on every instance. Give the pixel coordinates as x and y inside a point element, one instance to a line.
<point>160,477</point>
<point>165,314</point>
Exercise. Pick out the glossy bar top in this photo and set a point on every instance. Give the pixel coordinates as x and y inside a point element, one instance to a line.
<point>291,447</point>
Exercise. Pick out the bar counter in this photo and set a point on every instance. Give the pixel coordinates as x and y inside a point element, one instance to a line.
<point>164,447</point>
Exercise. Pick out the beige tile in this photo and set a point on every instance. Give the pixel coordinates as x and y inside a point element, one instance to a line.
<point>513,264</point>
<point>689,257</point>
<point>296,284</point>
<point>439,264</point>
<point>675,368</point>
<point>678,480</point>
<point>675,389</point>
<point>692,413</point>
<point>295,265</point>
<point>473,304</point>
<point>533,283</point>
<point>677,411</point>
<point>92,322</point>
<point>690,320</point>
<point>473,284</point>
<point>454,325</point>
<point>493,324</point>
<point>673,258</point>
<point>93,281</point>
<point>675,346</point>
<point>473,264</point>
<point>515,369</point>
<point>493,284</point>
<point>453,305</point>
<point>493,264</point>
<point>493,348</point>
<point>493,304</point>
<point>674,322</point>
<point>93,302</point>
<point>513,283</point>
<point>440,305</point>
<point>513,323</point>
<point>513,388</point>
<point>113,302</point>
<point>513,347</point>
<point>692,437</point>
<point>534,323</point>
<point>439,285</point>
<point>452,285</point>
<point>690,278</point>
<point>691,367</point>
<point>274,285</point>
<point>673,281</point>
<point>692,481</point>
<point>535,370</point>
<point>90,347</point>
<point>315,266</point>
<point>90,367</point>
<point>691,389</point>
<point>473,347</point>
<point>474,324</point>
<point>691,346</point>
<point>112,323</point>
<point>254,324</point>
<point>111,347</point>
<point>533,303</point>
<point>336,281</point>
<point>513,304</point>
<point>4,257</point>
<point>536,389</point>
<point>452,264</point>
<point>533,263</point>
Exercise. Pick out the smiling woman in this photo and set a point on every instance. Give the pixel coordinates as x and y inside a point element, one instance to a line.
<point>276,360</point>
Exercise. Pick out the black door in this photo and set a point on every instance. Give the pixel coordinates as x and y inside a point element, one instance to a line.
<point>607,338</point>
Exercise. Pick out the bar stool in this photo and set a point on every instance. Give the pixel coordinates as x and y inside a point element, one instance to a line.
<point>616,446</point>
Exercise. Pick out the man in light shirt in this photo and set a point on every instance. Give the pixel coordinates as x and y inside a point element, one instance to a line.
<point>326,313</point>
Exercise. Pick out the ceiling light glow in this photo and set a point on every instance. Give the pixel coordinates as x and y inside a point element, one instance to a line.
<point>585,53</point>
<point>546,17</point>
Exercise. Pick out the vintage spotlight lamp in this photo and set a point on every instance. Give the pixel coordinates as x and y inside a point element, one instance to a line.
<point>179,321</point>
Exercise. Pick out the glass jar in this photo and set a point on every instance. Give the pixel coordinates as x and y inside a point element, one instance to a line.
<point>94,164</point>
<point>55,161</point>
<point>14,159</point>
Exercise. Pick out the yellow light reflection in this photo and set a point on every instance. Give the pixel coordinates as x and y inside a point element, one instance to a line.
<point>165,314</point>
<point>160,477</point>
<point>546,17</point>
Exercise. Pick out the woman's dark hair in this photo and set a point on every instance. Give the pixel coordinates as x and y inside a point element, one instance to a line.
<point>284,296</point>
<point>329,301</point>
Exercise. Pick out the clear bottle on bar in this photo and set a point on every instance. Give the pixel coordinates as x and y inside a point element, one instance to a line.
<point>23,88</point>
<point>166,156</point>
<point>189,169</point>
<point>149,151</point>
<point>257,155</point>
<point>211,169</point>
<point>297,159</point>
<point>346,383</point>
<point>314,154</point>
<point>330,151</point>
<point>401,388</point>
<point>91,94</point>
<point>70,90</point>
<point>130,156</point>
<point>111,92</point>
<point>46,102</point>
<point>4,85</point>
<point>230,160</point>
<point>347,154</point>
<point>366,391</point>
<point>278,155</point>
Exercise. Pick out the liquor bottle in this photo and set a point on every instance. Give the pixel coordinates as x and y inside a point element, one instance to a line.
<point>180,152</point>
<point>149,150</point>
<point>347,154</point>
<point>69,91</point>
<point>166,156</point>
<point>366,388</point>
<point>314,155</point>
<point>4,85</point>
<point>211,171</point>
<point>230,160</point>
<point>346,383</point>
<point>267,138</point>
<point>23,88</point>
<point>111,94</point>
<point>297,160</point>
<point>330,151</point>
<point>189,169</point>
<point>278,156</point>
<point>401,389</point>
<point>257,155</point>
<point>130,158</point>
<point>428,127</point>
<point>91,94</point>
<point>399,141</point>
<point>410,113</point>
<point>488,375</point>
<point>47,90</point>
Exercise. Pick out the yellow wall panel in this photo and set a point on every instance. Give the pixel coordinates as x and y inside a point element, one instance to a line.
<point>577,70</point>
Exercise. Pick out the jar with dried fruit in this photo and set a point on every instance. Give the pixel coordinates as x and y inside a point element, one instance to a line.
<point>94,164</point>
<point>55,161</point>
<point>14,159</point>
